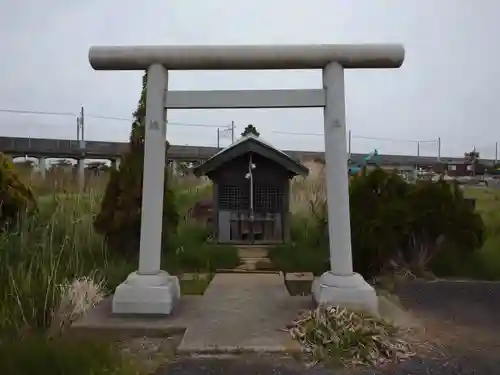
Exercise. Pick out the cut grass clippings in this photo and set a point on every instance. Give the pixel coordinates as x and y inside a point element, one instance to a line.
<point>335,335</point>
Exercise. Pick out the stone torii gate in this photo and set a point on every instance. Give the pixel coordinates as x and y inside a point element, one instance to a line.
<point>152,291</point>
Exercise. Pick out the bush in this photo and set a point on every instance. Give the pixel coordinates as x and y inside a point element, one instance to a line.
<point>307,251</point>
<point>120,217</point>
<point>394,222</point>
<point>188,251</point>
<point>380,219</point>
<point>296,257</point>
<point>15,197</point>
<point>442,221</point>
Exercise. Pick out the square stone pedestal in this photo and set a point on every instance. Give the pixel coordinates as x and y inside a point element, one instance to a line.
<point>146,294</point>
<point>350,291</point>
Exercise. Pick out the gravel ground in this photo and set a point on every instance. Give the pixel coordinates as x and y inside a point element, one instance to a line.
<point>474,304</point>
<point>462,317</point>
<point>256,365</point>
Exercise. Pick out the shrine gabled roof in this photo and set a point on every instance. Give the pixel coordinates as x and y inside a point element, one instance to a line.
<point>251,143</point>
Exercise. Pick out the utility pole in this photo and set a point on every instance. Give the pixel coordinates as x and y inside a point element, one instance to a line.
<point>82,126</point>
<point>349,145</point>
<point>474,161</point>
<point>218,138</point>
<point>78,129</point>
<point>439,148</point>
<point>232,131</point>
<point>496,153</point>
<point>418,148</point>
<point>81,161</point>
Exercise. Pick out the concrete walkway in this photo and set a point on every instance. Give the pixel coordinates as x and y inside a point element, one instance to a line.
<point>239,312</point>
<point>244,312</point>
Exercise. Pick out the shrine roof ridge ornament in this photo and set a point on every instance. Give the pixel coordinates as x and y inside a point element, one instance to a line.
<point>247,57</point>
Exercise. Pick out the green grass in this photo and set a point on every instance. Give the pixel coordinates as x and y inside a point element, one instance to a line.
<point>38,354</point>
<point>54,246</point>
<point>58,245</point>
<point>195,286</point>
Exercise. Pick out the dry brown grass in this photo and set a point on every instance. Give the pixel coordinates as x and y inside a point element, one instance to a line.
<point>308,193</point>
<point>77,297</point>
<point>61,180</point>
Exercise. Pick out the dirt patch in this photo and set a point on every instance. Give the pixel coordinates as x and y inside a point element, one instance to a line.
<point>299,284</point>
<point>242,364</point>
<point>298,287</point>
<point>150,353</point>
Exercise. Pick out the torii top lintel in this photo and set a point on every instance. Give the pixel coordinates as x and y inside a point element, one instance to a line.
<point>249,57</point>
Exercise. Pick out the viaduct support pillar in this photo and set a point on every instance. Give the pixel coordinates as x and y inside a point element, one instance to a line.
<point>42,166</point>
<point>115,163</point>
<point>81,173</point>
<point>175,167</point>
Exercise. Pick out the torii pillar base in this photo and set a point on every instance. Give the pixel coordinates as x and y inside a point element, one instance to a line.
<point>147,294</point>
<point>349,291</point>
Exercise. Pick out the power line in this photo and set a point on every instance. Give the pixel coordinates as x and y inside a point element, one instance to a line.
<point>306,134</point>
<point>110,118</point>
<point>360,137</point>
<point>172,123</point>
<point>20,111</point>
<point>394,140</point>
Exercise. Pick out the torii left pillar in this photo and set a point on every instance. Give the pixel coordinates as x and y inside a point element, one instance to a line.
<point>151,290</point>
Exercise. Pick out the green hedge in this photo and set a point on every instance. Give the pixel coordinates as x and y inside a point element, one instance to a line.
<point>16,198</point>
<point>392,222</point>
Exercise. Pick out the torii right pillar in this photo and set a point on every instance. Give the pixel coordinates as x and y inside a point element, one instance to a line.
<point>340,285</point>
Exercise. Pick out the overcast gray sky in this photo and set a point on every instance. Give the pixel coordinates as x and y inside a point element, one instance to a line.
<point>448,87</point>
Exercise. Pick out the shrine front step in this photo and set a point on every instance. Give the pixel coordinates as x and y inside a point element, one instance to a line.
<point>254,251</point>
<point>253,256</point>
<point>252,264</point>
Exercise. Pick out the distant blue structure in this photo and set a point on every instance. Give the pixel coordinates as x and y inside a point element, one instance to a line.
<point>354,170</point>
